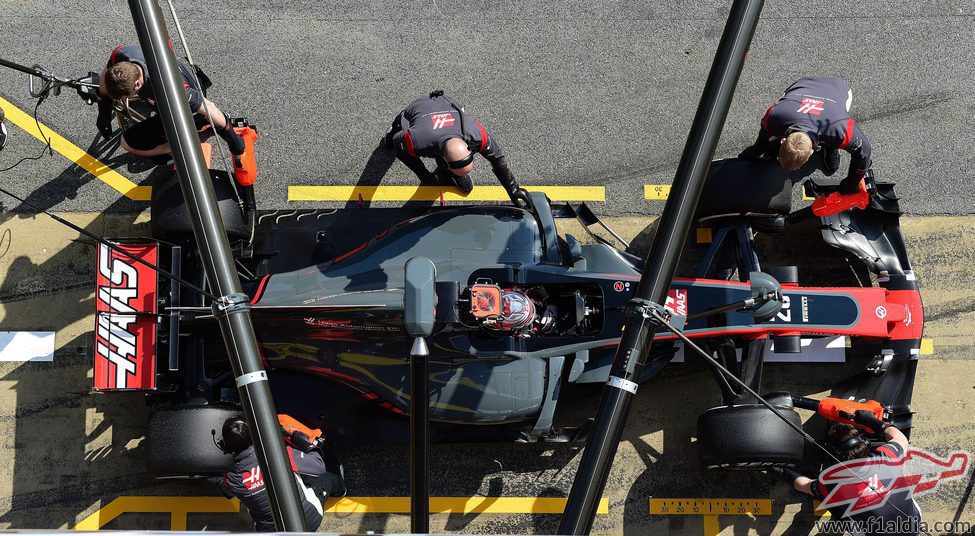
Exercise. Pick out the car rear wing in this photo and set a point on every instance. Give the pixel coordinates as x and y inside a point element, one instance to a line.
<point>126,320</point>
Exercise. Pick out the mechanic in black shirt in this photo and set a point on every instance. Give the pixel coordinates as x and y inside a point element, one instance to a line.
<point>244,481</point>
<point>898,510</point>
<point>814,116</point>
<point>126,76</point>
<point>437,127</point>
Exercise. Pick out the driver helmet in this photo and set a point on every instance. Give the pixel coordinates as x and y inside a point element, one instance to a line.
<point>517,311</point>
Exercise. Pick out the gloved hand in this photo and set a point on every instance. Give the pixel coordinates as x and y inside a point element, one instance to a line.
<point>104,121</point>
<point>753,152</point>
<point>229,135</point>
<point>869,422</point>
<point>785,474</point>
<point>850,185</point>
<point>520,198</point>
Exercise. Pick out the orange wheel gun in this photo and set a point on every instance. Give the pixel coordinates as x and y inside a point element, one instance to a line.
<point>834,409</point>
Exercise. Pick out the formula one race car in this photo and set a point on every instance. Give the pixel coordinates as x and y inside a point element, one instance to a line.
<point>522,315</point>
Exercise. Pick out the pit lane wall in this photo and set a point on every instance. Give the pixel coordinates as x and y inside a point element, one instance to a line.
<point>68,455</point>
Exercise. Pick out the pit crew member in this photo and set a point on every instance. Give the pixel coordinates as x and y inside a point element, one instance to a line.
<point>813,117</point>
<point>436,126</point>
<point>127,75</point>
<point>315,483</point>
<point>848,443</point>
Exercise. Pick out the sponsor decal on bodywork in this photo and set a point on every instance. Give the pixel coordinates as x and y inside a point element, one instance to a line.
<point>125,322</point>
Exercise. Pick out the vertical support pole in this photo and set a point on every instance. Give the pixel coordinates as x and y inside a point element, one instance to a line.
<point>637,339</point>
<point>419,437</point>
<point>232,310</point>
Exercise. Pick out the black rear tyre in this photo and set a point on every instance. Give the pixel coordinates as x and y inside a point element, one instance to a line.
<point>180,441</point>
<point>748,437</point>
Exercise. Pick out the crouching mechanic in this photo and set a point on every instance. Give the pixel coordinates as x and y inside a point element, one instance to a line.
<point>814,117</point>
<point>437,127</point>
<point>315,483</point>
<point>880,511</point>
<point>126,76</point>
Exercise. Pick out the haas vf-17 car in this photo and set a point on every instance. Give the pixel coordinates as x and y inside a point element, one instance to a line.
<point>523,315</point>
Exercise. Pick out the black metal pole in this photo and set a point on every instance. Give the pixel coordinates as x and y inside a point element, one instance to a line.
<point>419,437</point>
<point>232,310</point>
<point>638,333</point>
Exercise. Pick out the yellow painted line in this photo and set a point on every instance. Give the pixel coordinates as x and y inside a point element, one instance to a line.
<point>710,509</point>
<point>177,507</point>
<point>927,346</point>
<point>75,154</point>
<point>656,192</point>
<point>711,525</point>
<point>432,193</point>
<point>455,505</point>
<point>820,513</point>
<point>724,507</point>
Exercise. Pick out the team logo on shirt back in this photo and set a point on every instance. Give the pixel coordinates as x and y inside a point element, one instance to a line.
<point>441,120</point>
<point>811,106</point>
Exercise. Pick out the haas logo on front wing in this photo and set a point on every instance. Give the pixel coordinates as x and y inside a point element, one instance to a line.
<point>116,338</point>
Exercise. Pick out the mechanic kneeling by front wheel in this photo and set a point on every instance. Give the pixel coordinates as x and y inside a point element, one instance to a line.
<point>748,437</point>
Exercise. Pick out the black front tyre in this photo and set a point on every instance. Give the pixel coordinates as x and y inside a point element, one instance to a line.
<point>748,437</point>
<point>171,222</point>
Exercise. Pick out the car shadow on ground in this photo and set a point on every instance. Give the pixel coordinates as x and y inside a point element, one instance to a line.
<point>68,448</point>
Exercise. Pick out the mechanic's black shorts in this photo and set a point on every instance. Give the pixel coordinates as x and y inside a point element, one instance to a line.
<point>150,133</point>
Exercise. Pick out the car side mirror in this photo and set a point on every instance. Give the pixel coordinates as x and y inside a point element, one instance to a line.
<point>767,293</point>
<point>420,296</point>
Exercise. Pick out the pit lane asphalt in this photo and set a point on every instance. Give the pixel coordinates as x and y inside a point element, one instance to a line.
<point>578,93</point>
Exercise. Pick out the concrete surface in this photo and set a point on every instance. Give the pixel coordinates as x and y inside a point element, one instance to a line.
<point>66,453</point>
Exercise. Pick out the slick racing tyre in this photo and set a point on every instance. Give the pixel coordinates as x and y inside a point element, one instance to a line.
<point>738,186</point>
<point>170,221</point>
<point>748,437</point>
<point>181,441</point>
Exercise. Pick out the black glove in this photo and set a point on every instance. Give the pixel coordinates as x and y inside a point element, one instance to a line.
<point>229,135</point>
<point>105,113</point>
<point>785,474</point>
<point>754,152</point>
<point>516,193</point>
<point>869,422</point>
<point>521,199</point>
<point>851,184</point>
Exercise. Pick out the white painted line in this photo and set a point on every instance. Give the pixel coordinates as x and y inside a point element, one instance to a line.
<point>26,346</point>
<point>814,350</point>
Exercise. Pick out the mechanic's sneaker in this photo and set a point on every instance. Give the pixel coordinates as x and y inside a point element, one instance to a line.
<point>831,160</point>
<point>464,184</point>
<point>430,179</point>
<point>336,470</point>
